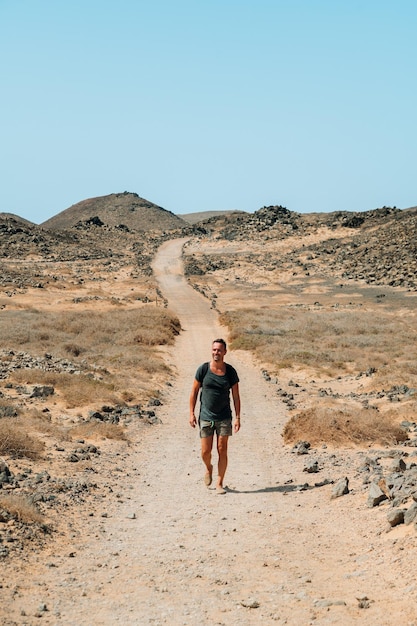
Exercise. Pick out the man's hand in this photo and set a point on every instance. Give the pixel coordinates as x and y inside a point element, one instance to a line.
<point>236,426</point>
<point>193,421</point>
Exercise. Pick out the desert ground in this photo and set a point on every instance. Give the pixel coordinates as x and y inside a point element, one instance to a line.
<point>150,544</point>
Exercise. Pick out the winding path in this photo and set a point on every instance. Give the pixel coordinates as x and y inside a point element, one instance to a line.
<point>174,552</point>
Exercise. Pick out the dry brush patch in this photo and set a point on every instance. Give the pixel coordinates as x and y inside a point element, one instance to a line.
<point>114,351</point>
<point>76,390</point>
<point>20,508</point>
<point>16,442</point>
<point>376,351</point>
<point>331,342</point>
<point>341,426</point>
<point>87,332</point>
<point>99,430</point>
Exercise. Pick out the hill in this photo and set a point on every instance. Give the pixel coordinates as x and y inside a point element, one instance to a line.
<point>11,216</point>
<point>117,209</point>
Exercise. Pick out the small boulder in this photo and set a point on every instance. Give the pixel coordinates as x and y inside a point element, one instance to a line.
<point>410,514</point>
<point>42,392</point>
<point>395,517</point>
<point>341,488</point>
<point>375,495</point>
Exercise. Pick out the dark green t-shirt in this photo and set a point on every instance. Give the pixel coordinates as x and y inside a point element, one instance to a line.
<point>215,392</point>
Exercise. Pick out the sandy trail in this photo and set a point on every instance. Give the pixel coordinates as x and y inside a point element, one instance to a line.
<point>171,551</point>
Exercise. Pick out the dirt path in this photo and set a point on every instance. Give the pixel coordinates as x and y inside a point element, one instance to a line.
<point>167,550</point>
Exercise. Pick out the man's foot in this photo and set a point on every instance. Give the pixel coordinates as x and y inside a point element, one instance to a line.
<point>220,490</point>
<point>208,477</point>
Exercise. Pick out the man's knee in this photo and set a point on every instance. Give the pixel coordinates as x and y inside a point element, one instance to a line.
<point>222,445</point>
<point>206,446</point>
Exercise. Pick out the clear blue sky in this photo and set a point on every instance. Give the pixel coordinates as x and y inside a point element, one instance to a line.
<point>208,104</point>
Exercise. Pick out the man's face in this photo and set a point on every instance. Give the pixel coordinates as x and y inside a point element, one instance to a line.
<point>218,351</point>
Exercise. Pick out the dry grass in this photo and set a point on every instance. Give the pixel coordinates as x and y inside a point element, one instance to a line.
<point>21,509</point>
<point>77,390</point>
<point>337,343</point>
<point>124,341</point>
<point>331,342</point>
<point>15,441</point>
<point>40,422</point>
<point>338,426</point>
<point>88,333</point>
<point>99,430</point>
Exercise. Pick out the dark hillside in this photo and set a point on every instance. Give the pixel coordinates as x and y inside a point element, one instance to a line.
<point>117,209</point>
<point>279,222</point>
<point>377,246</point>
<point>26,249</point>
<point>382,251</point>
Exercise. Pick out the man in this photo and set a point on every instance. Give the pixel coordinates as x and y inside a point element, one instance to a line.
<point>215,379</point>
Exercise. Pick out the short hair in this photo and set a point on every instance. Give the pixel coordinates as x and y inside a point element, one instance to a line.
<point>222,341</point>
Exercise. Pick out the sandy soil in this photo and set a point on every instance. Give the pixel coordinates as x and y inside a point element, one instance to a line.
<point>161,548</point>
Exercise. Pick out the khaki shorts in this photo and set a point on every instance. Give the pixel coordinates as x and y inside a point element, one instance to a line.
<point>222,428</point>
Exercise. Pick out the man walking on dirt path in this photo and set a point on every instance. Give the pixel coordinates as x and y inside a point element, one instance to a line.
<point>215,379</point>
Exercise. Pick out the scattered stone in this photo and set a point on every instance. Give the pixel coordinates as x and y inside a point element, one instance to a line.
<point>341,488</point>
<point>363,602</point>
<point>42,392</point>
<point>375,495</point>
<point>323,483</point>
<point>251,603</point>
<point>154,402</point>
<point>311,468</point>
<point>327,603</point>
<point>398,465</point>
<point>395,517</point>
<point>5,474</point>
<point>301,447</point>
<point>410,514</point>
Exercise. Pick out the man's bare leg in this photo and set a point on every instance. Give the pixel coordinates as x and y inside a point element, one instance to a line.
<point>222,465</point>
<point>206,447</point>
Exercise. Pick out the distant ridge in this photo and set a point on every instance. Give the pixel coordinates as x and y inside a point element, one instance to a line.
<point>194,218</point>
<point>127,209</point>
<point>16,218</point>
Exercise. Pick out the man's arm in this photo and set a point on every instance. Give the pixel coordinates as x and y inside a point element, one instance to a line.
<point>193,401</point>
<point>236,403</point>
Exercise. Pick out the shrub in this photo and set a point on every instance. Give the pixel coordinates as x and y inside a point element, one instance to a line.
<point>16,442</point>
<point>8,408</point>
<point>21,509</point>
<point>343,427</point>
<point>73,349</point>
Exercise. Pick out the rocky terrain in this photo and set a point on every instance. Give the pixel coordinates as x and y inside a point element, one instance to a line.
<point>377,246</point>
<point>81,459</point>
